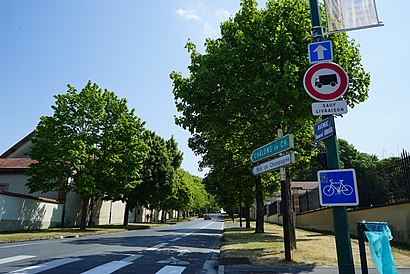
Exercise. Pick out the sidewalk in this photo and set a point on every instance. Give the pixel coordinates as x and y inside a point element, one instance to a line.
<point>291,269</point>
<point>251,269</point>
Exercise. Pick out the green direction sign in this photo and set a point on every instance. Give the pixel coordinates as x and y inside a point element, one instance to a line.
<point>273,148</point>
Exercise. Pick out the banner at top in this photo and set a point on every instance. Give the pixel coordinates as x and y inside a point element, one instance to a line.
<point>344,15</point>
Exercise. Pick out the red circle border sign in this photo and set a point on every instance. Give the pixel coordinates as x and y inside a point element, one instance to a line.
<point>310,89</point>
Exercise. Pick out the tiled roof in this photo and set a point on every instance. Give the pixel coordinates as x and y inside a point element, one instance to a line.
<point>16,163</point>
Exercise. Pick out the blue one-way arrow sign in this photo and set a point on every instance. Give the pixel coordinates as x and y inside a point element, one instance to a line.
<point>320,52</point>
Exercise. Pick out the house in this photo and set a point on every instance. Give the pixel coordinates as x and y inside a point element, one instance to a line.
<point>20,209</point>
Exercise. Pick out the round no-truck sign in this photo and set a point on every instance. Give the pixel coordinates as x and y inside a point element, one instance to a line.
<point>325,81</point>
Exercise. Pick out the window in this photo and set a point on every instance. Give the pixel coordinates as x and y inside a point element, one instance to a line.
<point>4,187</point>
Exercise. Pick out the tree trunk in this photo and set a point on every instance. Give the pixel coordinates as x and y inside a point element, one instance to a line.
<point>90,212</point>
<point>163,218</point>
<point>64,209</point>
<point>292,232</point>
<point>84,211</point>
<point>248,217</point>
<point>240,213</point>
<point>126,213</point>
<point>259,206</point>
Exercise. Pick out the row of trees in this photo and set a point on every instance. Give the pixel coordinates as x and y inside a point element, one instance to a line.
<point>249,84</point>
<point>95,141</point>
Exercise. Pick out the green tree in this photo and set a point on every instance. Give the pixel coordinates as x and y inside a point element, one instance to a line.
<point>158,173</point>
<point>190,193</point>
<point>364,165</point>
<point>93,138</point>
<point>248,84</point>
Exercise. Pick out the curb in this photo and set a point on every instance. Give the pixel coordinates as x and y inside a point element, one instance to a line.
<point>212,265</point>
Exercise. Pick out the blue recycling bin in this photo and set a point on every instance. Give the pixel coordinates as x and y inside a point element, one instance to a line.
<point>379,235</point>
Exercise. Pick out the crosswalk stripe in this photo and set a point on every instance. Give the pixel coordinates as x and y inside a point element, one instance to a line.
<point>175,239</point>
<point>131,258</point>
<point>15,258</point>
<point>170,269</point>
<point>113,266</point>
<point>155,247</point>
<point>46,266</point>
<point>108,267</point>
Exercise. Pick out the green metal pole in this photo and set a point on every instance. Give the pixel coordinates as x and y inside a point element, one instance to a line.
<point>340,221</point>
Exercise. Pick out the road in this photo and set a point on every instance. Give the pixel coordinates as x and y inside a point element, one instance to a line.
<point>182,248</point>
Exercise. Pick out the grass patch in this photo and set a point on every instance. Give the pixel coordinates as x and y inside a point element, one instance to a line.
<point>55,233</point>
<point>313,248</point>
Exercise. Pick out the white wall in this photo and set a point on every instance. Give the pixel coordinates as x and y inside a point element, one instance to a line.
<point>17,213</point>
<point>397,217</point>
<point>17,184</point>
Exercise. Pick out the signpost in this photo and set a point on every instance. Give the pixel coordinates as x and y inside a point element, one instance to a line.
<point>320,52</point>
<point>273,148</point>
<point>338,187</point>
<point>329,108</point>
<point>324,129</point>
<point>332,91</point>
<point>274,164</point>
<point>325,81</point>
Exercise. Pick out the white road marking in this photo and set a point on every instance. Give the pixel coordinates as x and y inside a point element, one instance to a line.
<point>170,269</point>
<point>15,258</point>
<point>46,266</point>
<point>176,239</point>
<point>155,247</point>
<point>131,258</point>
<point>190,233</point>
<point>182,252</point>
<point>173,260</point>
<point>108,267</point>
<point>17,245</point>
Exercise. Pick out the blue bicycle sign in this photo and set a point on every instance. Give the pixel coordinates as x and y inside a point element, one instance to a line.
<point>338,187</point>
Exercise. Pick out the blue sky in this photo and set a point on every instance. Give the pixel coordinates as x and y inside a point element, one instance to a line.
<point>130,47</point>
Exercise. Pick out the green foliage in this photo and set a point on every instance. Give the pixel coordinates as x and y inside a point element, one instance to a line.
<point>159,173</point>
<point>248,84</point>
<point>93,138</point>
<point>191,193</point>
<point>350,157</point>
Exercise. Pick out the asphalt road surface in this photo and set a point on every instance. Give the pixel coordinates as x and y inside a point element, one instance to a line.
<point>181,248</point>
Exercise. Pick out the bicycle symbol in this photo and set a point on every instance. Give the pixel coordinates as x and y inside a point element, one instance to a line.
<point>339,187</point>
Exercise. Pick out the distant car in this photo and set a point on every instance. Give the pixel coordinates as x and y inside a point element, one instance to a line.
<point>200,215</point>
<point>207,217</point>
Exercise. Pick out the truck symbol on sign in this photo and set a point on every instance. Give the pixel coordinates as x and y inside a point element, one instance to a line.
<point>327,79</point>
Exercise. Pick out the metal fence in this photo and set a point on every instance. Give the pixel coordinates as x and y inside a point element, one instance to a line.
<point>309,201</point>
<point>387,184</point>
<point>273,208</point>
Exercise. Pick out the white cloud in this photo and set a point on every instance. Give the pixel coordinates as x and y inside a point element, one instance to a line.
<point>208,30</point>
<point>207,18</point>
<point>222,14</point>
<point>188,14</point>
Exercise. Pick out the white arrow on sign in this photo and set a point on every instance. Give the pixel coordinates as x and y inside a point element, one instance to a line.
<point>320,52</point>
